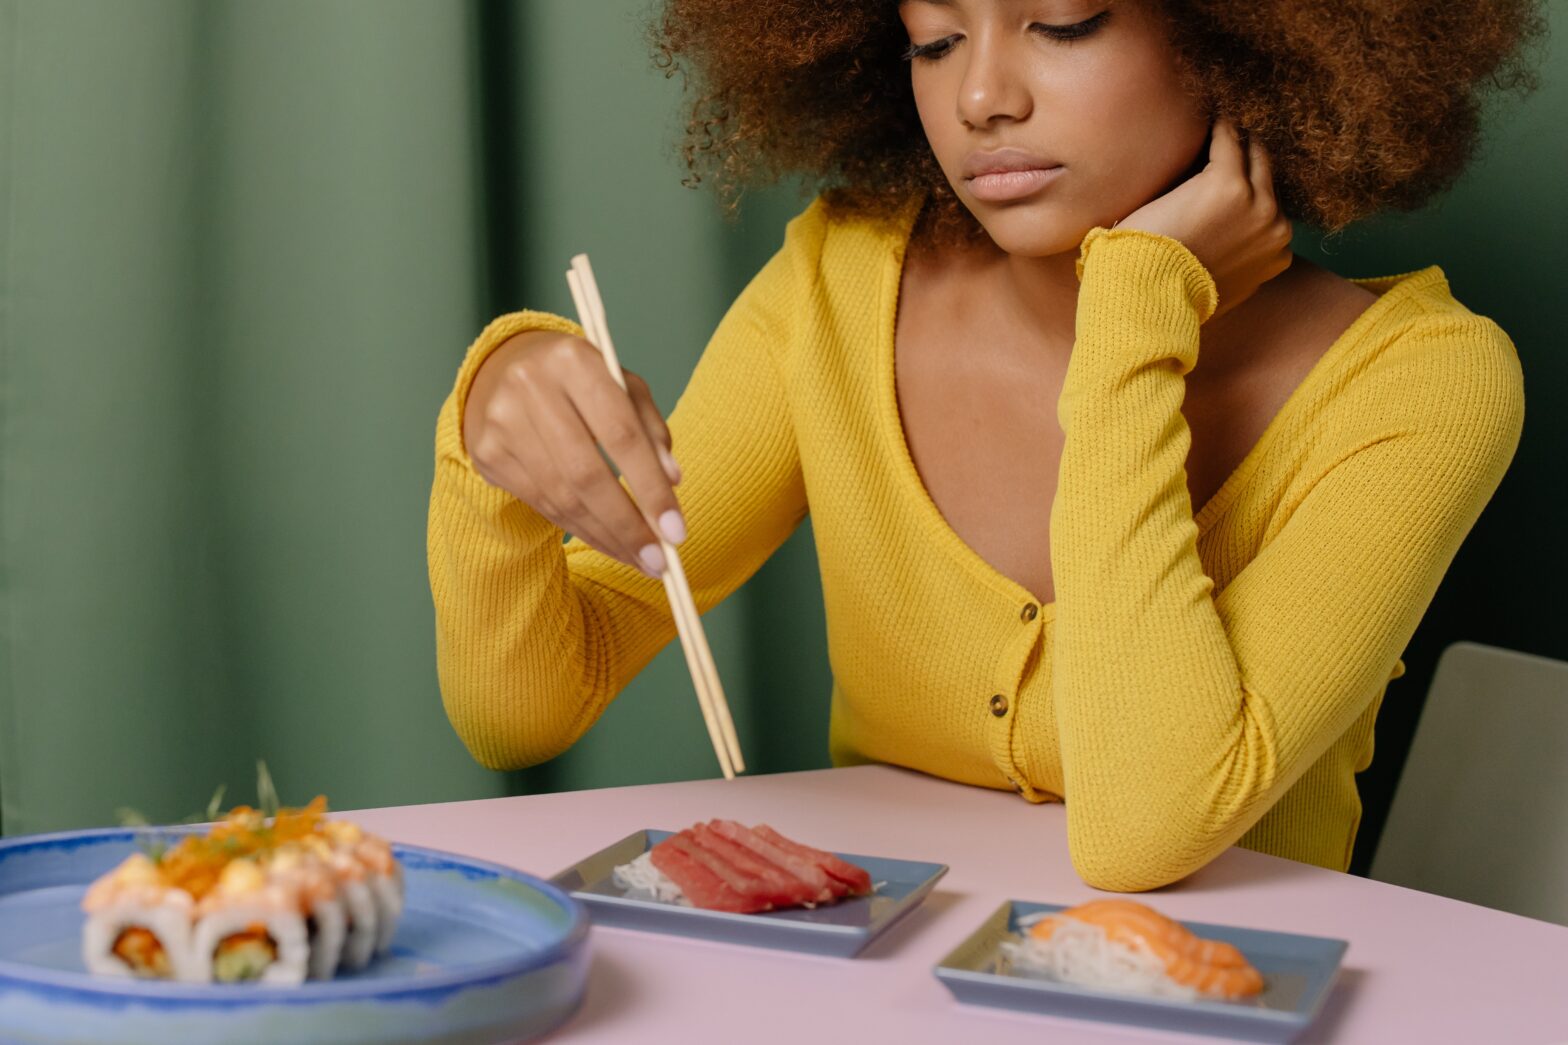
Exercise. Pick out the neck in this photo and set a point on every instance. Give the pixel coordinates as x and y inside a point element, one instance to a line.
<point>1043,293</point>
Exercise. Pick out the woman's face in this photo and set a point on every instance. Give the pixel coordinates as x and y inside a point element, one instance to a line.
<point>1090,87</point>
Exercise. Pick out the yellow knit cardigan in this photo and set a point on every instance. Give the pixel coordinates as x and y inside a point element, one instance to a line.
<point>1202,679</point>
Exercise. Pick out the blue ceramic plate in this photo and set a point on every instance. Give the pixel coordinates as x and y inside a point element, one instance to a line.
<point>482,954</point>
<point>1297,973</point>
<point>839,930</point>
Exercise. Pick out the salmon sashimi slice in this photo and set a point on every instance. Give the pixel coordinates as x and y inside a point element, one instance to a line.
<point>857,878</point>
<point>781,888</point>
<point>1153,923</point>
<point>802,867</point>
<point>1211,967</point>
<point>701,885</point>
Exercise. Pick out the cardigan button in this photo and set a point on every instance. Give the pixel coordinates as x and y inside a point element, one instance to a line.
<point>1030,611</point>
<point>998,705</point>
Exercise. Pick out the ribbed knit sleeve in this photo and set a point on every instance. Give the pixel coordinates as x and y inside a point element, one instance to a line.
<point>533,637</point>
<point>1183,715</point>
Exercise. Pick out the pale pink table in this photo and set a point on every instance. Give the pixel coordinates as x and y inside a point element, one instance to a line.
<point>1420,969</point>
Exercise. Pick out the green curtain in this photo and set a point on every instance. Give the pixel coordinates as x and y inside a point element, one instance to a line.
<point>242,248</point>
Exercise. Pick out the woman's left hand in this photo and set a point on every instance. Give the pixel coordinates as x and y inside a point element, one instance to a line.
<point>1227,216</point>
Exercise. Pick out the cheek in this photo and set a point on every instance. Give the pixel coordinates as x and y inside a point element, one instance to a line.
<point>1135,128</point>
<point>936,117</point>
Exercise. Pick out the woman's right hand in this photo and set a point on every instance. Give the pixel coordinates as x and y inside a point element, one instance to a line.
<point>539,409</point>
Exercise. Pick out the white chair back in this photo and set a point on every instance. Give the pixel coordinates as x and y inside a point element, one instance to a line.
<point>1481,810</point>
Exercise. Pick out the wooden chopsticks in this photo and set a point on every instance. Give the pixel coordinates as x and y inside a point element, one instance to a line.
<point>699,659</point>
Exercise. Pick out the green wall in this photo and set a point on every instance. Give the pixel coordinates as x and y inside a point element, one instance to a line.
<point>244,247</point>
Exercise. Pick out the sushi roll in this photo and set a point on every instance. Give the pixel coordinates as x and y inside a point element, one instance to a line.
<point>1127,946</point>
<point>250,928</point>
<point>386,885</point>
<point>316,885</point>
<point>383,874</point>
<point>137,924</point>
<point>267,899</point>
<point>360,921</point>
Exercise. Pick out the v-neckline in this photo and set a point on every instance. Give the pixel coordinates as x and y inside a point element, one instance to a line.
<point>893,426</point>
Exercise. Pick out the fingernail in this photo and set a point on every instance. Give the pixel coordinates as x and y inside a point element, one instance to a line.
<point>673,526</point>
<point>672,467</point>
<point>652,558</point>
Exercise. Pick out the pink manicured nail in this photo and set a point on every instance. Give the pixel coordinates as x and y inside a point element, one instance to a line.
<point>673,526</point>
<point>652,558</point>
<point>672,467</point>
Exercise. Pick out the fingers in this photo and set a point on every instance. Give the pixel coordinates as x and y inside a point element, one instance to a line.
<point>618,425</point>
<point>522,464</point>
<point>534,425</point>
<point>558,494</point>
<point>1260,171</point>
<point>653,423</point>
<point>1225,149</point>
<point>1250,159</point>
<point>585,486</point>
<point>1261,174</point>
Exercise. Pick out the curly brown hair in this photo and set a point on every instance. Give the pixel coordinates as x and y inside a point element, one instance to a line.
<point>1363,106</point>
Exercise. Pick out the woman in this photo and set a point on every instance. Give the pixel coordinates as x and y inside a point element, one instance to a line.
<point>1001,397</point>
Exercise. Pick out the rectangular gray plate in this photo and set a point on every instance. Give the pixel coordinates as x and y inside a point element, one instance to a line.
<point>838,930</point>
<point>1298,972</point>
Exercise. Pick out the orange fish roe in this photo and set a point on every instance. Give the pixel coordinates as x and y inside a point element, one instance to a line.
<point>196,862</point>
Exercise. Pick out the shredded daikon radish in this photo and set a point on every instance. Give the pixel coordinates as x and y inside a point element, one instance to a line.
<point>1080,953</point>
<point>640,876</point>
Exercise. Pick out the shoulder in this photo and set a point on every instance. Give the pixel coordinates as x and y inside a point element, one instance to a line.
<point>829,264</point>
<point>833,258</point>
<point>835,228</point>
<point>1403,328</point>
<point>1428,367</point>
<point>1464,361</point>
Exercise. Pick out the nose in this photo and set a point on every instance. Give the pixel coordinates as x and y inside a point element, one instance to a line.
<point>994,85</point>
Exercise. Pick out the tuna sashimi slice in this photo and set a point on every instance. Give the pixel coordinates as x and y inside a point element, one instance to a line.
<point>747,885</point>
<point>857,878</point>
<point>779,886</point>
<point>823,888</point>
<point>701,885</point>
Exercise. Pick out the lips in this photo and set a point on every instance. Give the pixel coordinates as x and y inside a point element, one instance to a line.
<point>1008,175</point>
<point>1001,161</point>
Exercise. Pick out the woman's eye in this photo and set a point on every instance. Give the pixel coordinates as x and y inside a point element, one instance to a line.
<point>1076,31</point>
<point>931,51</point>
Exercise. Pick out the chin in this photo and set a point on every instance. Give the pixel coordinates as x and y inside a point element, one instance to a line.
<point>1031,228</point>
